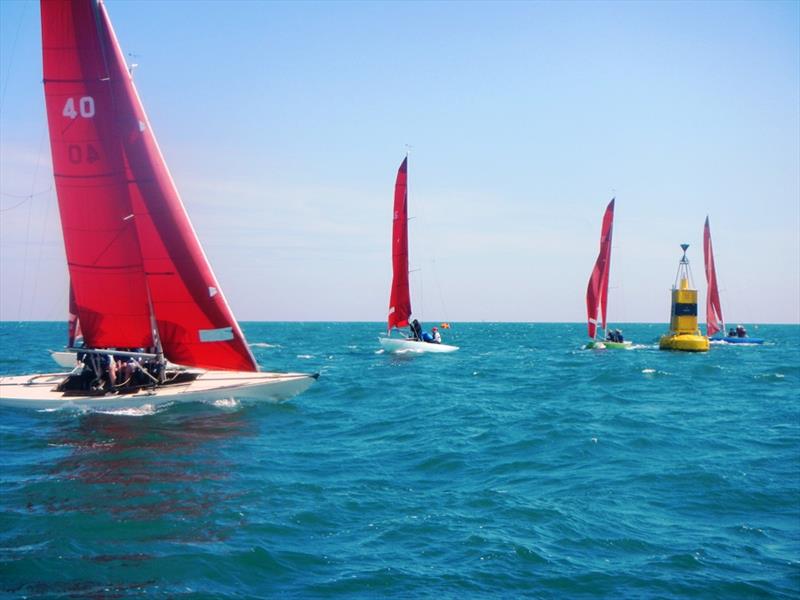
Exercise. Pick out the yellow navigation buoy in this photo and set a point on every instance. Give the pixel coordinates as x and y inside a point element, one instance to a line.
<point>683,331</point>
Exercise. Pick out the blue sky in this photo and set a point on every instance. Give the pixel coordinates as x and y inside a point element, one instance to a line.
<point>283,125</point>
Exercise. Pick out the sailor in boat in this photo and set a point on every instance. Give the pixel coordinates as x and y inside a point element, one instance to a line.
<point>437,338</point>
<point>416,330</point>
<point>741,331</point>
<point>108,372</point>
<point>731,332</point>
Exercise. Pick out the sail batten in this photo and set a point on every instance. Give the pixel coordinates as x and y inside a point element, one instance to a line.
<point>400,297</point>
<point>597,289</point>
<point>714,319</point>
<point>130,245</point>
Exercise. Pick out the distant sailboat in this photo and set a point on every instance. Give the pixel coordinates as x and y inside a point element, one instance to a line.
<point>144,293</point>
<point>714,321</point>
<point>683,333</point>
<point>597,290</point>
<point>400,296</point>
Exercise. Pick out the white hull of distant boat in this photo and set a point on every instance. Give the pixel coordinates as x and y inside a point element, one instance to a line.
<point>609,345</point>
<point>67,360</point>
<point>40,391</point>
<point>396,345</point>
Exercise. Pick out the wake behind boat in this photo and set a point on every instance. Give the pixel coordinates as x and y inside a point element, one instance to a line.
<point>400,296</point>
<point>144,292</point>
<point>597,292</point>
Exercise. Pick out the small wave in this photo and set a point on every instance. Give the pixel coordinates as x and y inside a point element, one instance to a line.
<point>82,446</point>
<point>305,356</point>
<point>654,373</point>
<point>138,411</point>
<point>226,403</point>
<point>770,376</point>
<point>65,407</point>
<point>264,345</point>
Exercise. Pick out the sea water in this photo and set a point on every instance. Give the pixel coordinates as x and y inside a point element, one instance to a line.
<point>520,466</point>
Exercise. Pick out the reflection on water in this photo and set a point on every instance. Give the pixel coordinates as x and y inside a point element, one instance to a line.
<point>119,491</point>
<point>135,466</point>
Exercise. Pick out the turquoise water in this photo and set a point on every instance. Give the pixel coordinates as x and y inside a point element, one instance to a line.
<point>519,466</point>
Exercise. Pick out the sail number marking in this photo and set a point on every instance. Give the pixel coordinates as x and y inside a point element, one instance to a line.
<point>77,153</point>
<point>85,108</point>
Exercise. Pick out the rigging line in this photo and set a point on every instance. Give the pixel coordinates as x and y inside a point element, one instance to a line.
<point>11,56</point>
<point>26,196</point>
<point>47,210</point>
<point>439,288</point>
<point>18,204</point>
<point>25,262</point>
<point>28,227</point>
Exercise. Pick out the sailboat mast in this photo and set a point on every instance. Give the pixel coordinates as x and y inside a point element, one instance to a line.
<point>160,358</point>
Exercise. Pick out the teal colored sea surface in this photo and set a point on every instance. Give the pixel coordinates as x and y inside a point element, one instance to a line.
<point>520,466</point>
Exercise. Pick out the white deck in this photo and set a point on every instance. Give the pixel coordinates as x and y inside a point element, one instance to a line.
<point>39,391</point>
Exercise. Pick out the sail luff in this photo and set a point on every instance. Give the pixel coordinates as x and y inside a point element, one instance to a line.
<point>400,298</point>
<point>714,320</point>
<point>597,288</point>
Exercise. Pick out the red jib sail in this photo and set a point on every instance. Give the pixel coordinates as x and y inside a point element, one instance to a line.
<point>597,290</point>
<point>134,258</point>
<point>73,324</point>
<point>714,320</point>
<point>400,299</point>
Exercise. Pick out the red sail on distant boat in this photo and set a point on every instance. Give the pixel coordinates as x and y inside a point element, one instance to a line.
<point>400,298</point>
<point>139,275</point>
<point>597,290</point>
<point>419,342</point>
<point>714,320</point>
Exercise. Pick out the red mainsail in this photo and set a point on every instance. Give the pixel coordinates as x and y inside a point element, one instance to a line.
<point>400,299</point>
<point>133,255</point>
<point>597,290</point>
<point>714,320</point>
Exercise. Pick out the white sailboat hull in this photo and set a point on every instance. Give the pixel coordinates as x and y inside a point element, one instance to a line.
<point>396,345</point>
<point>39,391</point>
<point>67,360</point>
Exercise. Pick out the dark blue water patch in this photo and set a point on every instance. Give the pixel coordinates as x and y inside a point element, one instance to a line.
<point>526,468</point>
